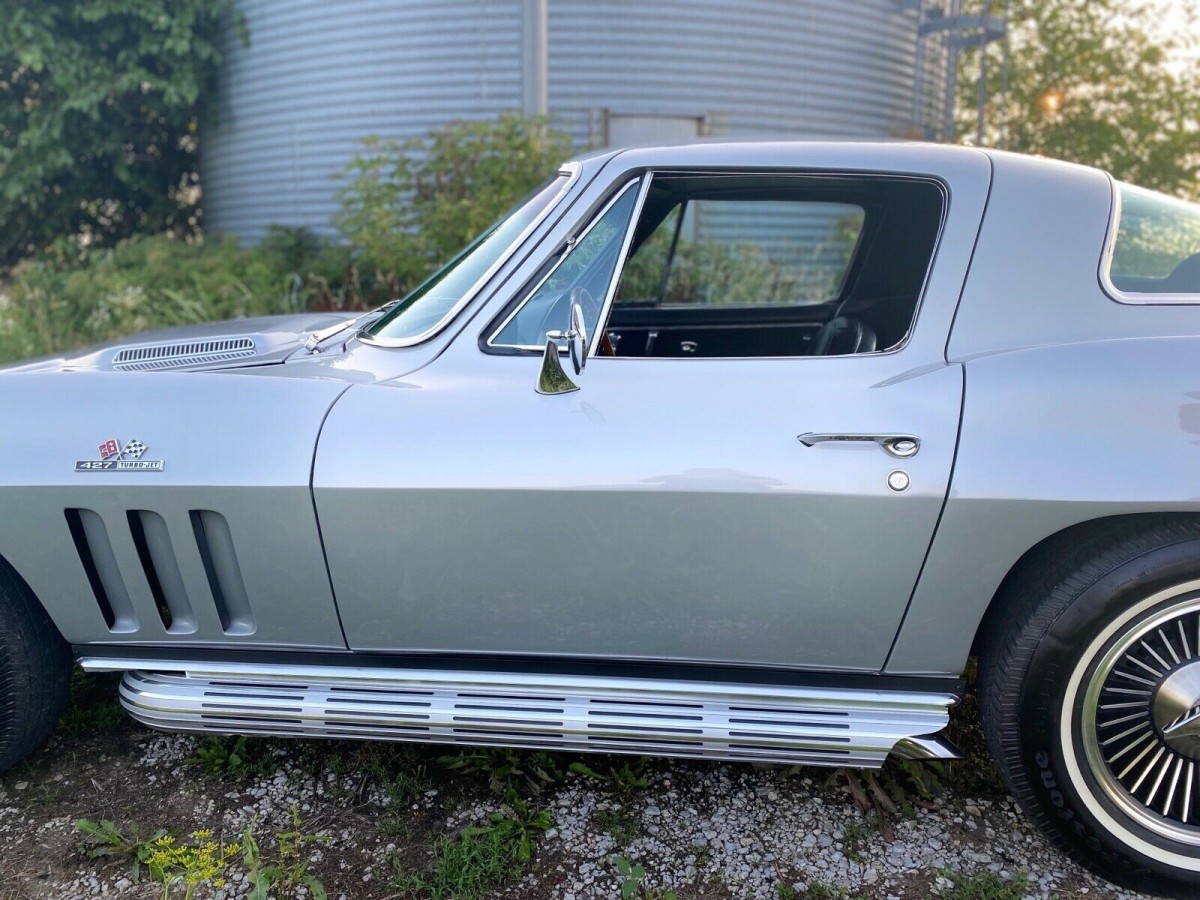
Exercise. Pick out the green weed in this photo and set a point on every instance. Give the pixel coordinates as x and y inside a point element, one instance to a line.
<point>508,769</point>
<point>236,757</point>
<point>632,878</point>
<point>623,779</point>
<point>481,858</point>
<point>289,871</point>
<point>820,890</point>
<point>93,707</point>
<point>620,822</point>
<point>984,886</point>
<point>193,865</point>
<point>856,834</point>
<point>104,840</point>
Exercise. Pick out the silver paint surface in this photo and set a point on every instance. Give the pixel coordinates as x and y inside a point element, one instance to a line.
<point>666,509</point>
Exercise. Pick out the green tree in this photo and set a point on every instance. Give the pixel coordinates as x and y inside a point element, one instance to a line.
<point>1089,82</point>
<point>99,106</point>
<point>411,205</point>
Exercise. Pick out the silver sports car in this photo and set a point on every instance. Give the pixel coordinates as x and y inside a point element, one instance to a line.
<point>725,451</point>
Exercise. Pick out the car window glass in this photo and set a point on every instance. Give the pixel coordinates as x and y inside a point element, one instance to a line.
<point>1157,246</point>
<point>774,265</point>
<point>432,302</point>
<point>709,252</point>
<point>583,274</point>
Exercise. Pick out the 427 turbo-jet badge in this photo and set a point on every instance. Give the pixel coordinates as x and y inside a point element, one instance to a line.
<point>113,457</point>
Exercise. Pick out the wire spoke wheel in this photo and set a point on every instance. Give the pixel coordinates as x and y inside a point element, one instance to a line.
<point>1140,721</point>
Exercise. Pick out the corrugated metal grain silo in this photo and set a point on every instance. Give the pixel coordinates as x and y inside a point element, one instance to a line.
<point>315,77</point>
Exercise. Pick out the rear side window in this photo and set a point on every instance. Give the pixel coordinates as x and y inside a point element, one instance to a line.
<point>1155,254</point>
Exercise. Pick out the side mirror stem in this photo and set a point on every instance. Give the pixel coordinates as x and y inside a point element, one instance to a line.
<point>552,379</point>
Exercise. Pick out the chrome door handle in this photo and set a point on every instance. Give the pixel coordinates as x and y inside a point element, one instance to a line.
<point>901,446</point>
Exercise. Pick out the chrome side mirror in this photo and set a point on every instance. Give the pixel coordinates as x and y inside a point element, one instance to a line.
<point>552,379</point>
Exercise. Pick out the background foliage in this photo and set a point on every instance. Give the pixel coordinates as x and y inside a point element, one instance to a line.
<point>412,205</point>
<point>100,111</point>
<point>406,207</point>
<point>1127,105</point>
<point>99,108</point>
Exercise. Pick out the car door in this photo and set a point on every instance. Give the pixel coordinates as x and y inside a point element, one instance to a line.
<point>667,510</point>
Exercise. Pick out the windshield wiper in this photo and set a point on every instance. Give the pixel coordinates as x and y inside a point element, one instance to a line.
<point>317,338</point>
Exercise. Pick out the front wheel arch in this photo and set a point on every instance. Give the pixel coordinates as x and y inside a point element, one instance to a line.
<point>35,669</point>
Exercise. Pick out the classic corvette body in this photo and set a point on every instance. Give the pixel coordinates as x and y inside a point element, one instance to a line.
<point>848,414</point>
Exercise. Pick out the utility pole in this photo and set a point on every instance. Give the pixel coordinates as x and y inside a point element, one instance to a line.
<point>535,50</point>
<point>958,31</point>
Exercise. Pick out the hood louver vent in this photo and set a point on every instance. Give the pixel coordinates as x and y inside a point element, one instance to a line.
<point>180,354</point>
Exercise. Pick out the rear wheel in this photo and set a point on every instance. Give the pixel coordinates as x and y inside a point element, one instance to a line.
<point>1090,696</point>
<point>35,670</point>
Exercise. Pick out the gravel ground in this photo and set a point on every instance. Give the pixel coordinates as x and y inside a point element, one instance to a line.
<point>383,811</point>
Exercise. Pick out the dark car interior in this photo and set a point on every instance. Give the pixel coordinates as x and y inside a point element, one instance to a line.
<point>1183,279</point>
<point>872,311</point>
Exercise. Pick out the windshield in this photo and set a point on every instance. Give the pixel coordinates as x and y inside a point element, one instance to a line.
<point>436,299</point>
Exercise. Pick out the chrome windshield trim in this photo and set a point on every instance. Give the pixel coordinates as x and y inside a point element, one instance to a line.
<point>622,259</point>
<point>572,170</point>
<point>571,242</point>
<point>1131,298</point>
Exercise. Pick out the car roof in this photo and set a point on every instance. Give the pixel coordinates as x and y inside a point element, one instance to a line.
<point>901,156</point>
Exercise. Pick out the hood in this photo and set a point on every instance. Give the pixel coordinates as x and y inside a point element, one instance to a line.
<point>236,343</point>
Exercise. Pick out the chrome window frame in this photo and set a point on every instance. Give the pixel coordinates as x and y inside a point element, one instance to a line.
<point>937,181</point>
<point>643,180</point>
<point>572,170</point>
<point>1131,298</point>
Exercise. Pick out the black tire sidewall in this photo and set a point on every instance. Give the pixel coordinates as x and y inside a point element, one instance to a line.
<point>1042,708</point>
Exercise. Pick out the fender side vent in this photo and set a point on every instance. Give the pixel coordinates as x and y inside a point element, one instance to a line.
<point>191,353</point>
<point>153,543</point>
<point>215,543</point>
<point>100,564</point>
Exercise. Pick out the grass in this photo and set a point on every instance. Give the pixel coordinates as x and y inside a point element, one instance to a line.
<point>855,835</point>
<point>288,872</point>
<point>481,858</point>
<point>813,890</point>
<point>621,823</point>
<point>621,777</point>
<point>202,861</point>
<point>508,769</point>
<point>984,886</point>
<point>632,878</point>
<point>93,708</point>
<point>237,757</point>
<point>104,840</point>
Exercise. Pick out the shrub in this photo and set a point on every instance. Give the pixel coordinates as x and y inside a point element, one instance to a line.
<point>50,304</point>
<point>411,205</point>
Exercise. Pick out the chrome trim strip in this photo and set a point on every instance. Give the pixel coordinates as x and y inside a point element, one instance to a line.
<point>571,242</point>
<point>812,726</point>
<point>926,746</point>
<point>572,170</point>
<point>622,259</point>
<point>1106,258</point>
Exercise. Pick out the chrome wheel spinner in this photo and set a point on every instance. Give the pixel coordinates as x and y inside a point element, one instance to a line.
<point>1141,722</point>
